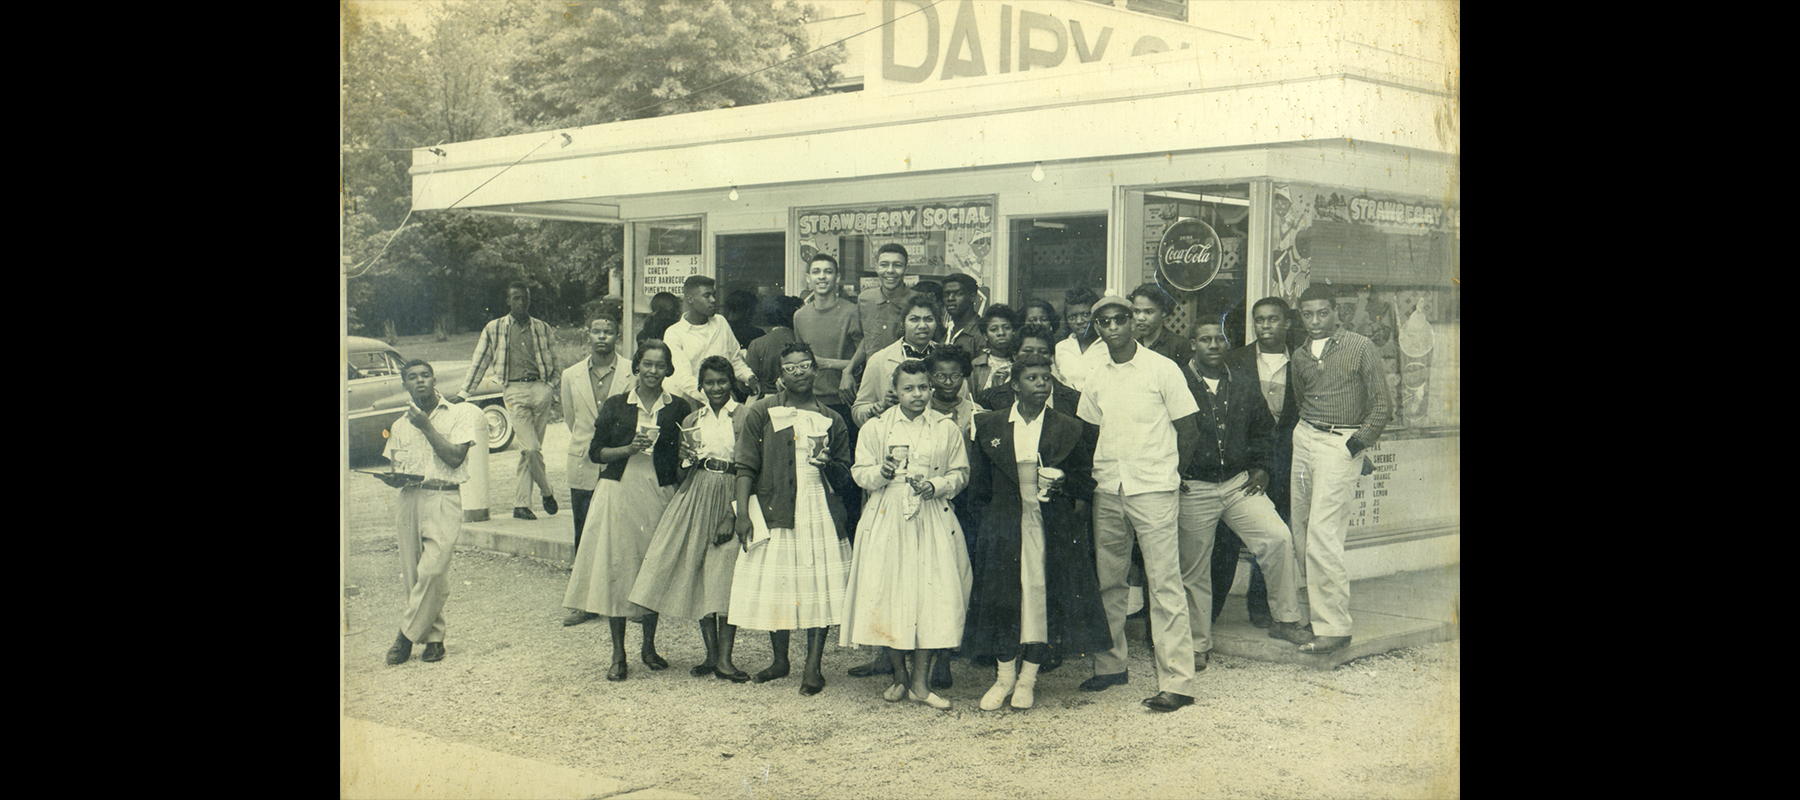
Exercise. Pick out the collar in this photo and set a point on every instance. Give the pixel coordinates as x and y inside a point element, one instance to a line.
<point>1157,339</point>
<point>926,417</point>
<point>783,398</point>
<point>441,403</point>
<point>684,320</point>
<point>731,406</point>
<point>595,365</point>
<point>526,324</point>
<point>1194,365</point>
<point>1336,337</point>
<point>907,350</point>
<point>1020,418</point>
<point>904,294</point>
<point>631,398</point>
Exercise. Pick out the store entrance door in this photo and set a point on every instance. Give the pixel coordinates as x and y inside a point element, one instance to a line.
<point>1051,255</point>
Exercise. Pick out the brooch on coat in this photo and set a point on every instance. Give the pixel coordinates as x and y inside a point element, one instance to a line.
<point>994,442</point>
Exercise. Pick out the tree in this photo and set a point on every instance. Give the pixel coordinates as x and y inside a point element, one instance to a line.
<point>601,62</point>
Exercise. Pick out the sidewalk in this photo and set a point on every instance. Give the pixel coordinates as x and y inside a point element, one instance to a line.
<point>1404,609</point>
<point>378,762</point>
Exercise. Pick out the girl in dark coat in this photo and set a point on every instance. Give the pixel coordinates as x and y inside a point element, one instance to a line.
<point>1035,590</point>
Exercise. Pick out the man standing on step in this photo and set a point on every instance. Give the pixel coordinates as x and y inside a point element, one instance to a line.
<point>1227,480</point>
<point>1341,389</point>
<point>517,347</point>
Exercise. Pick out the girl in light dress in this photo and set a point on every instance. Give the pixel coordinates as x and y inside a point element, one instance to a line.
<point>687,570</point>
<point>635,440</point>
<point>909,575</point>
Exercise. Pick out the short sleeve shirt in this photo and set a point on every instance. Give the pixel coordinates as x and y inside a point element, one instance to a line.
<point>411,453</point>
<point>1136,404</point>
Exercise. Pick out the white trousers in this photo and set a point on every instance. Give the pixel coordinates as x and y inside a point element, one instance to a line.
<point>1254,520</point>
<point>1323,485</point>
<point>1151,519</point>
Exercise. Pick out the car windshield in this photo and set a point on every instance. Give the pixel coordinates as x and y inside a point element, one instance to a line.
<point>372,363</point>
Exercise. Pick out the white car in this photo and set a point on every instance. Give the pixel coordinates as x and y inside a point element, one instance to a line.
<point>377,397</point>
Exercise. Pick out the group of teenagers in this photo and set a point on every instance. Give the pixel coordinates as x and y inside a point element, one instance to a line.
<point>988,490</point>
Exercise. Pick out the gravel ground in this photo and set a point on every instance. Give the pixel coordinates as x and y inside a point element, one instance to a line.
<point>515,681</point>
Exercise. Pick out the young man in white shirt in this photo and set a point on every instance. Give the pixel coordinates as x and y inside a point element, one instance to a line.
<point>1146,415</point>
<point>700,333</point>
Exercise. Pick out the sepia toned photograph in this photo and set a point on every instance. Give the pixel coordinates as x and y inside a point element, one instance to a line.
<point>900,398</point>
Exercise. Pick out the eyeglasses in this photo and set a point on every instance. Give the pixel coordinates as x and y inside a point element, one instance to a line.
<point>946,377</point>
<point>1113,319</point>
<point>797,369</point>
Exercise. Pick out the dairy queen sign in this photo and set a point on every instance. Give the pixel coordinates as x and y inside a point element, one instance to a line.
<point>1190,256</point>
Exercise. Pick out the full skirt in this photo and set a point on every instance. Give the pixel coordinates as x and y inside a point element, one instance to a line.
<point>795,578</point>
<point>620,522</point>
<point>909,578</point>
<point>685,575</point>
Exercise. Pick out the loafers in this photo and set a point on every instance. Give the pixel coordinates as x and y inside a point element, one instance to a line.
<point>618,672</point>
<point>1290,631</point>
<point>577,617</point>
<point>521,512</point>
<point>434,651</point>
<point>654,661</point>
<point>401,651</point>
<point>1100,683</point>
<point>549,504</point>
<point>1167,701</point>
<point>1325,644</point>
<point>738,676</point>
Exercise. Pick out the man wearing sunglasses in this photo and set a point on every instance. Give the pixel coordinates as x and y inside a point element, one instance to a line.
<point>1147,419</point>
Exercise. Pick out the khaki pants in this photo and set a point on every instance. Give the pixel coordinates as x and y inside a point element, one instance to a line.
<point>1150,519</point>
<point>1324,483</point>
<point>429,521</point>
<point>528,404</point>
<point>1254,520</point>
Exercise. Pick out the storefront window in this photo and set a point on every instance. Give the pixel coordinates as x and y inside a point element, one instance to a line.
<point>1051,255</point>
<point>751,262</point>
<point>1396,261</point>
<point>666,252</point>
<point>1225,208</point>
<point>942,236</point>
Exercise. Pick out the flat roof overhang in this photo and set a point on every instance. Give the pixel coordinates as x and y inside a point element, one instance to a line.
<point>1171,103</point>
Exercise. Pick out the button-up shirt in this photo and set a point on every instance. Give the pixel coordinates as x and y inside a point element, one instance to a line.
<point>881,317</point>
<point>968,337</point>
<point>1347,385</point>
<point>1070,366</point>
<point>1026,435</point>
<point>1171,346</point>
<point>646,416</point>
<point>608,380</point>
<point>1136,404</point>
<point>494,349</point>
<point>717,438</point>
<point>412,453</point>
<point>1234,431</point>
<point>962,412</point>
<point>690,344</point>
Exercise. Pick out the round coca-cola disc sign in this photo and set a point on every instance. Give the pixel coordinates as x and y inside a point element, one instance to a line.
<point>1190,255</point>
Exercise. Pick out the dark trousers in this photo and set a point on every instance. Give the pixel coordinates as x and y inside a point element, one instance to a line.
<point>579,500</point>
<point>852,495</point>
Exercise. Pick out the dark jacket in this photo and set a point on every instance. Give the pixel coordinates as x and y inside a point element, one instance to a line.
<point>1282,437</point>
<point>616,426</point>
<point>1000,398</point>
<point>1076,619</point>
<point>1234,428</point>
<point>767,456</point>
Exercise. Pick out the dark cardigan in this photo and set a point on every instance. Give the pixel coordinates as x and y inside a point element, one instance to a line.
<point>616,426</point>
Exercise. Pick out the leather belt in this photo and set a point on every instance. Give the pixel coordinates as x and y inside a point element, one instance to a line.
<point>718,465</point>
<point>1332,428</point>
<point>525,380</point>
<point>440,486</point>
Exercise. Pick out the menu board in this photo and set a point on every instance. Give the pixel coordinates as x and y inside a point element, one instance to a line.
<point>1416,482</point>
<point>668,273</point>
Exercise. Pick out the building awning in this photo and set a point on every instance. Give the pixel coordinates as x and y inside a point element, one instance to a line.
<point>1183,101</point>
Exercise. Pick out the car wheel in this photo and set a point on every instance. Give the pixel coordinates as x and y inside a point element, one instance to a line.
<point>500,432</point>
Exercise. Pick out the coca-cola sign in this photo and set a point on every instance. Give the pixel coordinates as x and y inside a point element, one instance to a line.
<point>1189,256</point>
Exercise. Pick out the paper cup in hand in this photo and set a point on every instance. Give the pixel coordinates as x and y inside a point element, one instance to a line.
<point>817,444</point>
<point>902,454</point>
<point>1045,476</point>
<point>650,431</point>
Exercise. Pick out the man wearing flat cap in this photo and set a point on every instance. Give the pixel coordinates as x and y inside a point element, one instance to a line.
<point>1147,419</point>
